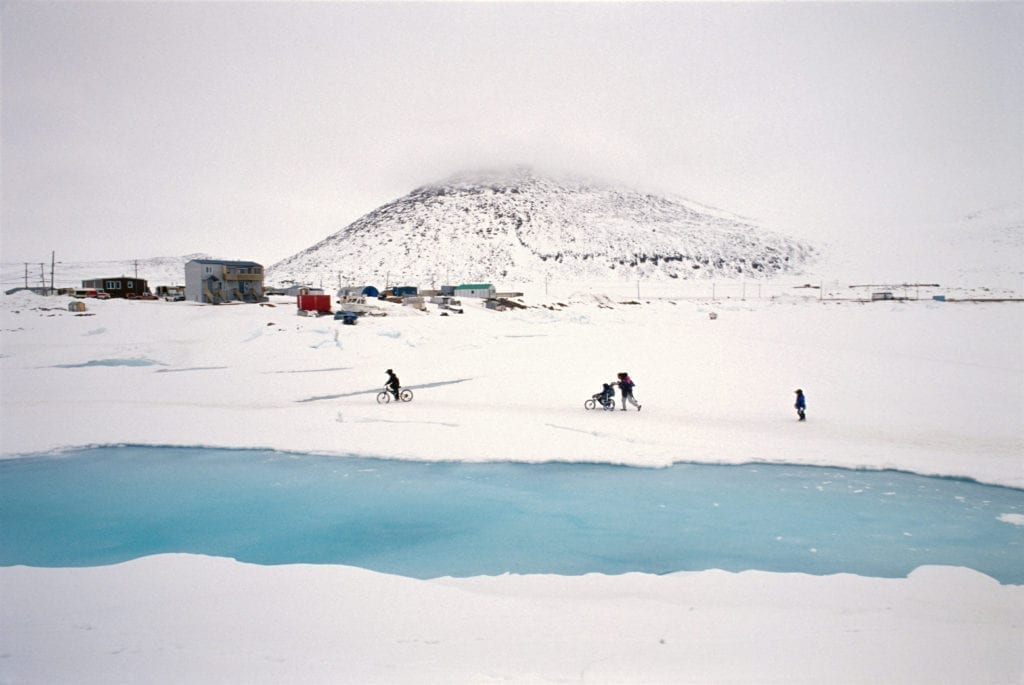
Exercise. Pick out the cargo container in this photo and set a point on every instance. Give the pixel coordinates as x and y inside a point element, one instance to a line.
<point>321,304</point>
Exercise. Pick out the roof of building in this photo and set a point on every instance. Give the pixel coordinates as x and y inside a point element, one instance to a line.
<point>224,262</point>
<point>114,278</point>
<point>473,286</point>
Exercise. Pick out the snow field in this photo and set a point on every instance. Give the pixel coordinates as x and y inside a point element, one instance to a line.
<point>927,387</point>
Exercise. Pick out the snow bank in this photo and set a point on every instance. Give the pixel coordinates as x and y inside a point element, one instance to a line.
<point>179,618</point>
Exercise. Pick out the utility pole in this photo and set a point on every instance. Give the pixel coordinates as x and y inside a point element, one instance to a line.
<point>53,258</point>
<point>26,274</point>
<point>42,276</point>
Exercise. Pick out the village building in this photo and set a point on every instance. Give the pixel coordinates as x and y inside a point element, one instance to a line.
<point>296,290</point>
<point>481,290</point>
<point>118,286</point>
<point>357,291</point>
<point>215,281</point>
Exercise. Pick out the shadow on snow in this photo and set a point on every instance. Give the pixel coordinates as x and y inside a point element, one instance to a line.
<point>374,391</point>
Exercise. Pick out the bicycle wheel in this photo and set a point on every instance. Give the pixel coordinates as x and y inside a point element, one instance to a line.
<point>405,395</point>
<point>383,397</point>
<point>610,406</point>
<point>589,404</point>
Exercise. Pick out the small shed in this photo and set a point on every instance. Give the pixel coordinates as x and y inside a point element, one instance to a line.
<point>296,290</point>
<point>404,291</point>
<point>319,303</point>
<point>884,295</point>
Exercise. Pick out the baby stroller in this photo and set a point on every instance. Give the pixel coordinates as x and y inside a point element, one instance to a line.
<point>605,399</point>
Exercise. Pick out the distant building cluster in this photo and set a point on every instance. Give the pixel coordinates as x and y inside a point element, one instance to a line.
<point>218,281</point>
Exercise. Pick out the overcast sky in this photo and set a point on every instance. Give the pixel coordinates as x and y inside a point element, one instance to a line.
<point>252,130</point>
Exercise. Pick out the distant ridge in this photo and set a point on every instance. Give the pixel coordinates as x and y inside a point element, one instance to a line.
<point>155,270</point>
<point>517,226</point>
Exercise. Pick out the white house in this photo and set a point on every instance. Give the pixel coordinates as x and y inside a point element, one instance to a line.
<point>215,281</point>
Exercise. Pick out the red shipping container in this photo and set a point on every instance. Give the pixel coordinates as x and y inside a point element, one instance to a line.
<point>315,303</point>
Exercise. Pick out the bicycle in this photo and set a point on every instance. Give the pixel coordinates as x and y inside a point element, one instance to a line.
<point>385,395</point>
<point>608,404</point>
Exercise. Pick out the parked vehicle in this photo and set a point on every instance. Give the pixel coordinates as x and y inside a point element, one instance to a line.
<point>82,293</point>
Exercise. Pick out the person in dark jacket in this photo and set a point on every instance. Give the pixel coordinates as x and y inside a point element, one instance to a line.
<point>801,405</point>
<point>626,388</point>
<point>393,383</point>
<point>606,394</point>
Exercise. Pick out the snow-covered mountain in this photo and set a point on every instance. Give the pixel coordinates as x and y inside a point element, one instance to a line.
<point>519,226</point>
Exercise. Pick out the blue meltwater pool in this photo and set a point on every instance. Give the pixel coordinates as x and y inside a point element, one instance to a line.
<point>429,519</point>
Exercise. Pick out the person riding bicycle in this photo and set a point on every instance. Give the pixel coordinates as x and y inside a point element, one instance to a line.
<point>607,393</point>
<point>393,383</point>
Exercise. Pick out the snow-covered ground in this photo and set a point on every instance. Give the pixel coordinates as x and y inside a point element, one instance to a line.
<point>930,387</point>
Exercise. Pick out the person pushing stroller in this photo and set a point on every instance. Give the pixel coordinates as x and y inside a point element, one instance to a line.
<point>626,388</point>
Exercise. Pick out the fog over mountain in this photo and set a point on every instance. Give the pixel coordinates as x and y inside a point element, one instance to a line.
<point>517,225</point>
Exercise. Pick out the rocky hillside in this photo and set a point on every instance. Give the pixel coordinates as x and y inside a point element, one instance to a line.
<point>518,226</point>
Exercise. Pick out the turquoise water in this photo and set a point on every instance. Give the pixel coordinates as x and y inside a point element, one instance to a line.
<point>427,519</point>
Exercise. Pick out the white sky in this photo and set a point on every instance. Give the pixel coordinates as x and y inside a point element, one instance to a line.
<point>251,131</point>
